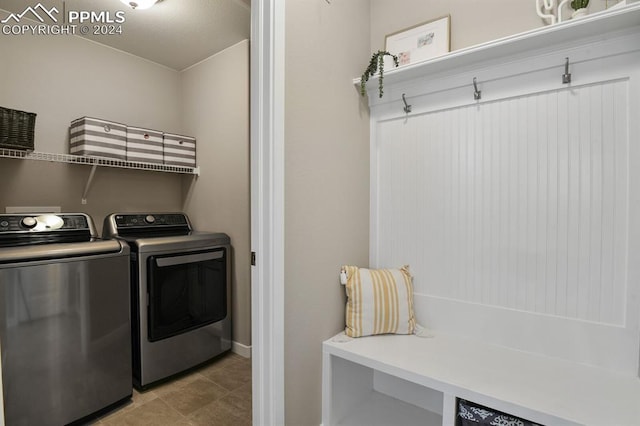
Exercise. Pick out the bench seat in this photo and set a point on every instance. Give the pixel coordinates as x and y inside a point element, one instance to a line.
<point>541,389</point>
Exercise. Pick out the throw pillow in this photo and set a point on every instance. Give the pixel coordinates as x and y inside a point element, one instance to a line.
<point>379,301</point>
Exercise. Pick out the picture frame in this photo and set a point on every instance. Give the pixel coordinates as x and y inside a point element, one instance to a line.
<point>420,42</point>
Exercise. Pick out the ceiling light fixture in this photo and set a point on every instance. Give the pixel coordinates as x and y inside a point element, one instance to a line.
<point>139,4</point>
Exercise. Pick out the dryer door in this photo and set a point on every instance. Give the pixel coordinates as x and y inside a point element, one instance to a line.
<point>186,291</point>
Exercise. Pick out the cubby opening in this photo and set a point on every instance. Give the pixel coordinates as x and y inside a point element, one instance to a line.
<point>362,396</point>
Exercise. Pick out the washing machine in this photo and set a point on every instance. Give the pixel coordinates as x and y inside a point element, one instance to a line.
<point>65,332</point>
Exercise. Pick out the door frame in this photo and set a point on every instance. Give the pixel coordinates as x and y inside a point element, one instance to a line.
<point>267,210</point>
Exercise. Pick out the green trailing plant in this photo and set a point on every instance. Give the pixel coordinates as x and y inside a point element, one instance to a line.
<point>376,64</point>
<point>579,4</point>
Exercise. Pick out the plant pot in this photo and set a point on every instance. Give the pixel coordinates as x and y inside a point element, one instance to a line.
<point>579,13</point>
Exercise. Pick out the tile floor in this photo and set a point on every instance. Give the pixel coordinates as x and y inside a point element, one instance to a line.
<point>218,394</point>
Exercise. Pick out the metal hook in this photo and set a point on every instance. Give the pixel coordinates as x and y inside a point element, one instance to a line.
<point>477,94</point>
<point>407,107</point>
<point>566,77</point>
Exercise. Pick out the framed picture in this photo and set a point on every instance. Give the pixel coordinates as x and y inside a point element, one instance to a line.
<point>420,42</point>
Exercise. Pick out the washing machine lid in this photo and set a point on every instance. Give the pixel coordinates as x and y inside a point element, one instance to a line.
<point>57,251</point>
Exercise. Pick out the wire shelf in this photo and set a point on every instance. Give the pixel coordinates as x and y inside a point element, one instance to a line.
<point>95,161</point>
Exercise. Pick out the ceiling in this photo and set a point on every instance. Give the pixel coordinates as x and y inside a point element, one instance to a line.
<point>174,33</point>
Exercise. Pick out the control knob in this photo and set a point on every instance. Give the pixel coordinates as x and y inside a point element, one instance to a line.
<point>149,219</point>
<point>28,222</point>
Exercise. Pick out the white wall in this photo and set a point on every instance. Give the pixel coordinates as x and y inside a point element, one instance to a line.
<point>326,184</point>
<point>513,212</point>
<point>215,109</point>
<point>62,78</point>
<point>472,21</point>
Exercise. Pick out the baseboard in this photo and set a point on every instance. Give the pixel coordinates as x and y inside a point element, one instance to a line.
<point>240,349</point>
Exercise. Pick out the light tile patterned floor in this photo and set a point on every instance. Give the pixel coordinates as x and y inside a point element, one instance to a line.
<point>218,394</point>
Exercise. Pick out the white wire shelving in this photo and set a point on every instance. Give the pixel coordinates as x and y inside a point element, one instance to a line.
<point>96,162</point>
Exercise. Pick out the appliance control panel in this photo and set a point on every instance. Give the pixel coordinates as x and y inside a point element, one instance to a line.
<point>150,220</point>
<point>20,223</point>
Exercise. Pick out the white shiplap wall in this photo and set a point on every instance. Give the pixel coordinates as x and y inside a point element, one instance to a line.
<point>521,203</point>
<point>518,213</point>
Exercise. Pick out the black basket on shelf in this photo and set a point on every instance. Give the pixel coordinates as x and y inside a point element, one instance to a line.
<point>472,414</point>
<point>16,129</point>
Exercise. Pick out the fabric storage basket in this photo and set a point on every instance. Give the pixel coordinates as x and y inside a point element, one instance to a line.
<point>99,138</point>
<point>179,150</point>
<point>471,414</point>
<point>144,145</point>
<point>16,129</point>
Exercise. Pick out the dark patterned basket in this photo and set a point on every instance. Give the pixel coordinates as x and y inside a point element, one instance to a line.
<point>471,414</point>
<point>16,129</point>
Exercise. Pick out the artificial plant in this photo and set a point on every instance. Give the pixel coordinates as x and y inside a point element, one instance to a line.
<point>376,64</point>
<point>579,4</point>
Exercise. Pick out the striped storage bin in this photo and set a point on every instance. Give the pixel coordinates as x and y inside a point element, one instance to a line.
<point>97,137</point>
<point>144,145</point>
<point>179,150</point>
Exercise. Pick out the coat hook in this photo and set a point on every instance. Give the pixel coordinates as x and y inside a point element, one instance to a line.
<point>477,94</point>
<point>566,77</point>
<point>407,107</point>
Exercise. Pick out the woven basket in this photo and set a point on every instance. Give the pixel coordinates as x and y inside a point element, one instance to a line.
<point>16,129</point>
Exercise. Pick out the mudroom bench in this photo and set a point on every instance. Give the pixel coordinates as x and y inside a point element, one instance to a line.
<point>409,380</point>
<point>518,213</point>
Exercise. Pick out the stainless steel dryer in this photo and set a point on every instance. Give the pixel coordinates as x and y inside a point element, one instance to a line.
<point>180,292</point>
<point>64,320</point>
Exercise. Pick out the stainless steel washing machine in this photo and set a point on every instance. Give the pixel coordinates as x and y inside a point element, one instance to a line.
<point>65,331</point>
<point>180,292</point>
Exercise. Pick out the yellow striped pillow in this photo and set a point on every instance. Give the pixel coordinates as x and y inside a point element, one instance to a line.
<point>379,301</point>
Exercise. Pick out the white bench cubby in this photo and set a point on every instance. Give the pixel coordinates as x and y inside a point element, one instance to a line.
<point>408,380</point>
